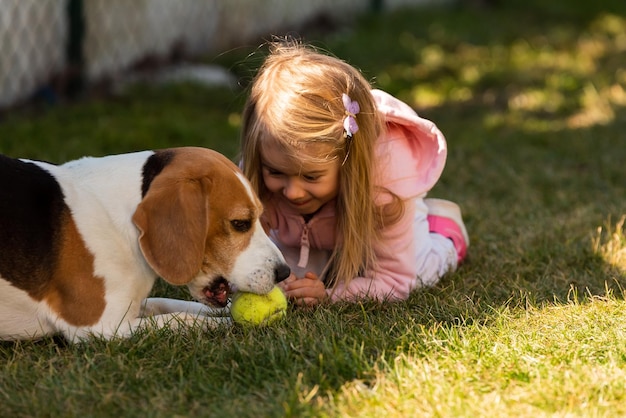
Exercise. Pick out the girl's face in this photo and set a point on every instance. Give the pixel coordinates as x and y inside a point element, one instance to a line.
<point>305,186</point>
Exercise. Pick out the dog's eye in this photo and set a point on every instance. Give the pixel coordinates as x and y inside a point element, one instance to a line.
<point>241,225</point>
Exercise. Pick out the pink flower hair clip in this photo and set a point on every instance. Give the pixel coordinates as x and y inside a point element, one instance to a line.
<point>352,108</point>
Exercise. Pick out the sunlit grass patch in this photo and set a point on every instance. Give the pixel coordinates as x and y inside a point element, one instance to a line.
<point>609,243</point>
<point>563,360</point>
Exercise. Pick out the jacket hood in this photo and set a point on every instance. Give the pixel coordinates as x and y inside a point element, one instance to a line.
<point>418,167</point>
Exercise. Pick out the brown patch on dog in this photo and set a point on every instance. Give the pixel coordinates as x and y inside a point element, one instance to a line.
<point>74,292</point>
<point>185,217</point>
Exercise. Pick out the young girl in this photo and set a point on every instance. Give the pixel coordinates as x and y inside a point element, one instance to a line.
<point>343,171</point>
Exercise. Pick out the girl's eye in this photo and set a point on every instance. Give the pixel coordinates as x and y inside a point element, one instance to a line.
<point>311,178</point>
<point>273,172</point>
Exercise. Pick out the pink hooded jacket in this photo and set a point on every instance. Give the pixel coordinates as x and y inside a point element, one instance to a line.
<point>412,154</point>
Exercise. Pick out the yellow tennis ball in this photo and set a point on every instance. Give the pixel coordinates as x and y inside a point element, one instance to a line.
<point>253,309</point>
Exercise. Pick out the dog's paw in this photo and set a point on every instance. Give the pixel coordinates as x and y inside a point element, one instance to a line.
<point>214,312</point>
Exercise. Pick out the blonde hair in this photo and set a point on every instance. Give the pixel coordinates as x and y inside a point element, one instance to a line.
<point>296,100</point>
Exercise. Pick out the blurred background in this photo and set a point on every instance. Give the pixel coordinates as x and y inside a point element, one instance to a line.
<point>53,48</point>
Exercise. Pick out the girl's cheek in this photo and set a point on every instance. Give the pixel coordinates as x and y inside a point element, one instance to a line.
<point>270,183</point>
<point>273,187</point>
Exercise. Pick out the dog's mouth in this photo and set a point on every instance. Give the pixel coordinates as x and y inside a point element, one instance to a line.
<point>217,292</point>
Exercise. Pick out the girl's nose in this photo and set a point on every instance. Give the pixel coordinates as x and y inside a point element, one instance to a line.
<point>292,190</point>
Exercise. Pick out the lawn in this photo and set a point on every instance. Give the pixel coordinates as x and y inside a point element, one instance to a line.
<point>531,96</point>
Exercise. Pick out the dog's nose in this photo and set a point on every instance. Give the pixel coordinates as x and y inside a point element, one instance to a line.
<point>281,272</point>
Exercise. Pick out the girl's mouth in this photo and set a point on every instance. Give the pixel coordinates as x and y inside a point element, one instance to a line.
<point>299,203</point>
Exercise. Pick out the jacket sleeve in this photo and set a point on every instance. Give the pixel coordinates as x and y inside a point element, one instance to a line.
<point>409,257</point>
<point>396,270</point>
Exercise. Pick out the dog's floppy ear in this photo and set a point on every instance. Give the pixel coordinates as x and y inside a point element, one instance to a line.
<point>172,220</point>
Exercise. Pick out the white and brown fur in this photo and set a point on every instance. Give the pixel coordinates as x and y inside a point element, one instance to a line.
<point>81,244</point>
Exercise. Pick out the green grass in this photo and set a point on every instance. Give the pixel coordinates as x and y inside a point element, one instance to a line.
<point>531,96</point>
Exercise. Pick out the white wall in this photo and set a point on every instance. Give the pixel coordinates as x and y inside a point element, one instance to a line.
<point>120,32</point>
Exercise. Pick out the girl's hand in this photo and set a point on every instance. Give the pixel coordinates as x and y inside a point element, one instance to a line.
<point>307,291</point>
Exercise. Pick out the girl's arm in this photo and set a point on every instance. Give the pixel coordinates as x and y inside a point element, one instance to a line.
<point>409,256</point>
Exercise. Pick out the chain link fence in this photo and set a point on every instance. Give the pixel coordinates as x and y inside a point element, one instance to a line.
<point>55,46</point>
<point>32,40</point>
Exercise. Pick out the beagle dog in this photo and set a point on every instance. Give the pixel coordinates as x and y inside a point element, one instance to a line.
<point>82,243</point>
